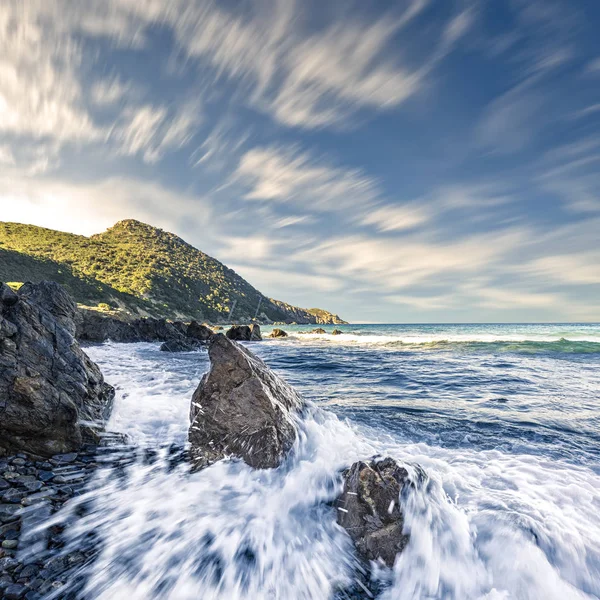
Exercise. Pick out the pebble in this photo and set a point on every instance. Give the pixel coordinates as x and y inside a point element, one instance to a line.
<point>4,485</point>
<point>10,544</point>
<point>61,459</point>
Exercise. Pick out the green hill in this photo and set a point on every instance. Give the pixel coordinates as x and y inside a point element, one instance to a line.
<point>138,269</point>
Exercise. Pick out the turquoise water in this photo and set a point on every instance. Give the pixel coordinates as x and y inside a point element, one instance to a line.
<point>504,420</point>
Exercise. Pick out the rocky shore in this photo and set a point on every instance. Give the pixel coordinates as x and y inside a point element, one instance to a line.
<point>54,404</point>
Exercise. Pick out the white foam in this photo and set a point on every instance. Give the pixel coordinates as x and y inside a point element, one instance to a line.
<point>487,525</point>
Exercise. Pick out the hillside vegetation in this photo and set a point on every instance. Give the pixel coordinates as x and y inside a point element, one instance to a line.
<point>138,269</point>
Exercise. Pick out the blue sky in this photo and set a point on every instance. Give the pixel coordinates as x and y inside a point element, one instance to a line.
<point>417,161</point>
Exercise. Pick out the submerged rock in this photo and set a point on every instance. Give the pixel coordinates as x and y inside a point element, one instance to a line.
<point>319,330</point>
<point>336,332</point>
<point>51,393</point>
<point>278,333</point>
<point>241,408</point>
<point>244,333</point>
<point>369,508</point>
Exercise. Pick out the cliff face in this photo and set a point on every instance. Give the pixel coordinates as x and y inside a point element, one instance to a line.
<point>304,316</point>
<point>141,271</point>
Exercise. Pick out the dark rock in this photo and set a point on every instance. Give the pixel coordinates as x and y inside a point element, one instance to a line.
<point>4,485</point>
<point>198,332</point>
<point>241,408</point>
<point>51,392</point>
<point>337,332</point>
<point>369,508</point>
<point>15,592</point>
<point>64,459</point>
<point>180,345</point>
<point>319,330</point>
<point>244,333</point>
<point>278,333</point>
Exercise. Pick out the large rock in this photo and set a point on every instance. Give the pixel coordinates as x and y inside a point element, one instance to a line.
<point>244,333</point>
<point>51,394</point>
<point>241,408</point>
<point>369,508</point>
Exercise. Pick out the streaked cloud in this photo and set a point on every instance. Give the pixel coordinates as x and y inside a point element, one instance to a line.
<point>290,175</point>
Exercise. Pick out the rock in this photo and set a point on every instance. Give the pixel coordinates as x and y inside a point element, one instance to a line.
<point>244,333</point>
<point>369,508</point>
<point>319,330</point>
<point>241,408</point>
<point>51,393</point>
<point>15,592</point>
<point>336,332</point>
<point>10,544</point>
<point>278,333</point>
<point>180,345</point>
<point>198,332</point>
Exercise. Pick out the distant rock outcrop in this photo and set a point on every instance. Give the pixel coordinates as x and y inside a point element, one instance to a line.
<point>51,394</point>
<point>244,333</point>
<point>369,508</point>
<point>241,408</point>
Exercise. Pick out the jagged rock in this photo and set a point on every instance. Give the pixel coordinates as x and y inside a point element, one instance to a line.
<point>244,333</point>
<point>369,508</point>
<point>337,332</point>
<point>278,333</point>
<point>241,408</point>
<point>51,393</point>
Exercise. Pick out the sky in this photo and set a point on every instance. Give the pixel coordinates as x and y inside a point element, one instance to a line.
<point>402,161</point>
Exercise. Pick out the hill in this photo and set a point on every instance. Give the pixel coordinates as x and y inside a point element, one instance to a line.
<point>139,270</point>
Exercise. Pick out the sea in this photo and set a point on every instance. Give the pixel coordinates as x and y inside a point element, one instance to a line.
<point>498,424</point>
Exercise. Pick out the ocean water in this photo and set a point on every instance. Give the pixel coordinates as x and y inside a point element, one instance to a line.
<point>503,419</point>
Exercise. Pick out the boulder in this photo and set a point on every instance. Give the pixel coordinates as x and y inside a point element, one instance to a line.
<point>369,508</point>
<point>278,333</point>
<point>241,408</point>
<point>180,345</point>
<point>244,333</point>
<point>336,332</point>
<point>319,330</point>
<point>51,394</point>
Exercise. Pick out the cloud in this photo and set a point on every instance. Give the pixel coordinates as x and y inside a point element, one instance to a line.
<point>389,265</point>
<point>93,206</point>
<point>289,175</point>
<point>109,91</point>
<point>151,131</point>
<point>40,93</point>
<point>397,218</point>
<point>6,155</point>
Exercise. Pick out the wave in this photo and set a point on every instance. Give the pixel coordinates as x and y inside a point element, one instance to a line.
<point>467,342</point>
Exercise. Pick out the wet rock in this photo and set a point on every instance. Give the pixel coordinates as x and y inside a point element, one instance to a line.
<point>241,408</point>
<point>278,333</point>
<point>180,345</point>
<point>52,393</point>
<point>10,544</point>
<point>15,592</point>
<point>319,331</point>
<point>370,511</point>
<point>244,333</point>
<point>337,332</point>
